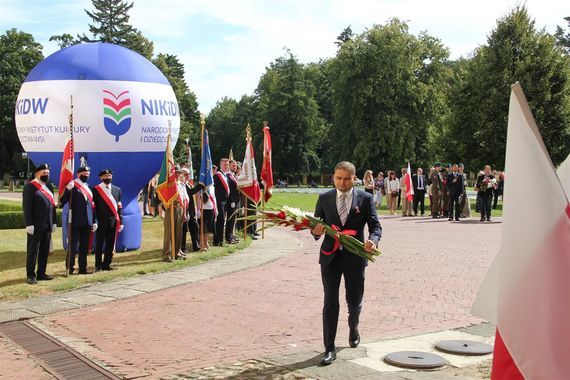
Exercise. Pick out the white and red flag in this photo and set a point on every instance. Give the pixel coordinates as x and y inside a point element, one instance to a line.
<point>67,163</point>
<point>526,289</point>
<point>409,186</point>
<point>247,180</point>
<point>266,170</point>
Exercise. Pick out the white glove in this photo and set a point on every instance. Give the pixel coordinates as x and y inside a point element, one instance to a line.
<point>70,185</point>
<point>30,230</point>
<point>94,227</point>
<point>53,227</point>
<point>121,228</point>
<point>233,205</point>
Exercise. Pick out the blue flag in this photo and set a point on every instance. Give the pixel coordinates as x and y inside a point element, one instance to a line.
<point>206,177</point>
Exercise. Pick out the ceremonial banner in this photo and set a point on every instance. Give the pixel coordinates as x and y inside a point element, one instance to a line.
<point>166,188</point>
<point>266,170</point>
<point>526,288</point>
<point>67,164</point>
<point>206,177</point>
<point>247,181</point>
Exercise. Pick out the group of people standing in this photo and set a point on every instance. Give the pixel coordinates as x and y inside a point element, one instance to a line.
<point>215,209</point>
<point>96,208</point>
<point>445,187</point>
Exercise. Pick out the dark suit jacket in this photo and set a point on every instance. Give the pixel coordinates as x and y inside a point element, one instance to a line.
<point>38,210</point>
<point>105,215</point>
<point>456,187</point>
<point>235,194</point>
<point>82,214</point>
<point>415,181</point>
<point>191,205</point>
<point>362,212</point>
<point>221,194</point>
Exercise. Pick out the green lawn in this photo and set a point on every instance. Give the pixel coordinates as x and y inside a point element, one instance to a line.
<point>146,260</point>
<point>307,202</point>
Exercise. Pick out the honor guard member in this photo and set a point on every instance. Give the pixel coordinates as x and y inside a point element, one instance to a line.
<point>83,217</point>
<point>445,191</point>
<point>109,212</point>
<point>177,206</point>
<point>436,189</point>
<point>191,224</point>
<point>222,195</point>
<point>233,203</point>
<point>40,218</point>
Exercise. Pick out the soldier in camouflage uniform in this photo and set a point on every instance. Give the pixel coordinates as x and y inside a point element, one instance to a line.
<point>436,190</point>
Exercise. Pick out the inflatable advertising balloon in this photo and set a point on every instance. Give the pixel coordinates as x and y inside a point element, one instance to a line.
<point>123,107</point>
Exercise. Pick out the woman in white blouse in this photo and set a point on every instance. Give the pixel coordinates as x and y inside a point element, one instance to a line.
<point>392,190</point>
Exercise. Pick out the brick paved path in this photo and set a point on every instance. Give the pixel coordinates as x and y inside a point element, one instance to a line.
<point>425,281</point>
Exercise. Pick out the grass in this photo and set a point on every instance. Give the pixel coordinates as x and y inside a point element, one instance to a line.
<point>307,202</point>
<point>129,264</point>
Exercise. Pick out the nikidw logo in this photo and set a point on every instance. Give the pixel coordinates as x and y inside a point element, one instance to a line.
<point>117,113</point>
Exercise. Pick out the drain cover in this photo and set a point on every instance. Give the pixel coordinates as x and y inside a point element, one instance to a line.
<point>464,347</point>
<point>415,360</point>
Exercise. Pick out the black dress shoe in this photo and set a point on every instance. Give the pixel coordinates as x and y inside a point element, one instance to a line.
<point>98,269</point>
<point>84,271</point>
<point>32,280</point>
<point>450,219</point>
<point>256,234</point>
<point>328,358</point>
<point>44,277</point>
<point>109,268</point>
<point>354,338</point>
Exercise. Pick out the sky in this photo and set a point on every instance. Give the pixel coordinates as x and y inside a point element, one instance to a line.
<point>226,45</point>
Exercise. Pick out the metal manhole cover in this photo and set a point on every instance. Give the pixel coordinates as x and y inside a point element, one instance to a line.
<point>415,360</point>
<point>464,347</point>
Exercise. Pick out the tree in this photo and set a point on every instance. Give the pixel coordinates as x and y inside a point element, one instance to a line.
<point>20,53</point>
<point>345,36</point>
<point>111,21</point>
<point>64,40</point>
<point>564,37</point>
<point>388,89</point>
<point>286,99</point>
<point>515,51</point>
<point>223,127</point>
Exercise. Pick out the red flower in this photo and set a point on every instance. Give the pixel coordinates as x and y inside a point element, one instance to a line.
<point>281,215</point>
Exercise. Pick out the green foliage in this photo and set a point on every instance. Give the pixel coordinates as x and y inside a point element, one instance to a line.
<point>515,51</point>
<point>388,89</point>
<point>64,40</point>
<point>563,37</point>
<point>111,21</point>
<point>286,99</point>
<point>15,219</point>
<point>20,53</point>
<point>10,206</point>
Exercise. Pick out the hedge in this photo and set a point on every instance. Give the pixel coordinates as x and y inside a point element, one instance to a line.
<point>15,219</point>
<point>10,206</point>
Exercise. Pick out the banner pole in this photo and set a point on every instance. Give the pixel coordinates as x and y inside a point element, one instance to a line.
<point>69,221</point>
<point>263,211</point>
<point>172,245</point>
<point>203,237</point>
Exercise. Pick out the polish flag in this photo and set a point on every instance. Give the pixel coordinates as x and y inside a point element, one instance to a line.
<point>67,164</point>
<point>247,181</point>
<point>526,288</point>
<point>409,186</point>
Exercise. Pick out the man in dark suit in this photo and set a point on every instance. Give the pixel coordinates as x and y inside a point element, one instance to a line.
<point>222,189</point>
<point>454,185</point>
<point>83,217</point>
<point>191,223</point>
<point>349,209</point>
<point>109,209</point>
<point>41,220</point>
<point>233,203</point>
<point>419,182</point>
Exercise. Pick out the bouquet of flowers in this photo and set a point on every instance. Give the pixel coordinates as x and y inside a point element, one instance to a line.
<point>301,220</point>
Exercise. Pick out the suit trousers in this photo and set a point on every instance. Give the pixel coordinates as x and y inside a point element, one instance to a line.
<point>178,216</point>
<point>436,206</point>
<point>220,223</point>
<point>191,226</point>
<point>230,222</point>
<point>105,237</point>
<point>354,284</point>
<point>80,245</point>
<point>37,251</point>
<point>453,199</point>
<point>419,197</point>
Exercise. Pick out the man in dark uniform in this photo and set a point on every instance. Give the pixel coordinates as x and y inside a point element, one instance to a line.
<point>41,221</point>
<point>445,191</point>
<point>233,203</point>
<point>455,189</point>
<point>191,223</point>
<point>436,190</point>
<point>349,209</point>
<point>222,189</point>
<point>109,210</point>
<point>83,217</point>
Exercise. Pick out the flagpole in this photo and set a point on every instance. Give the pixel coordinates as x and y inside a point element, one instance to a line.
<point>202,235</point>
<point>172,237</point>
<point>69,219</point>
<point>264,188</point>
